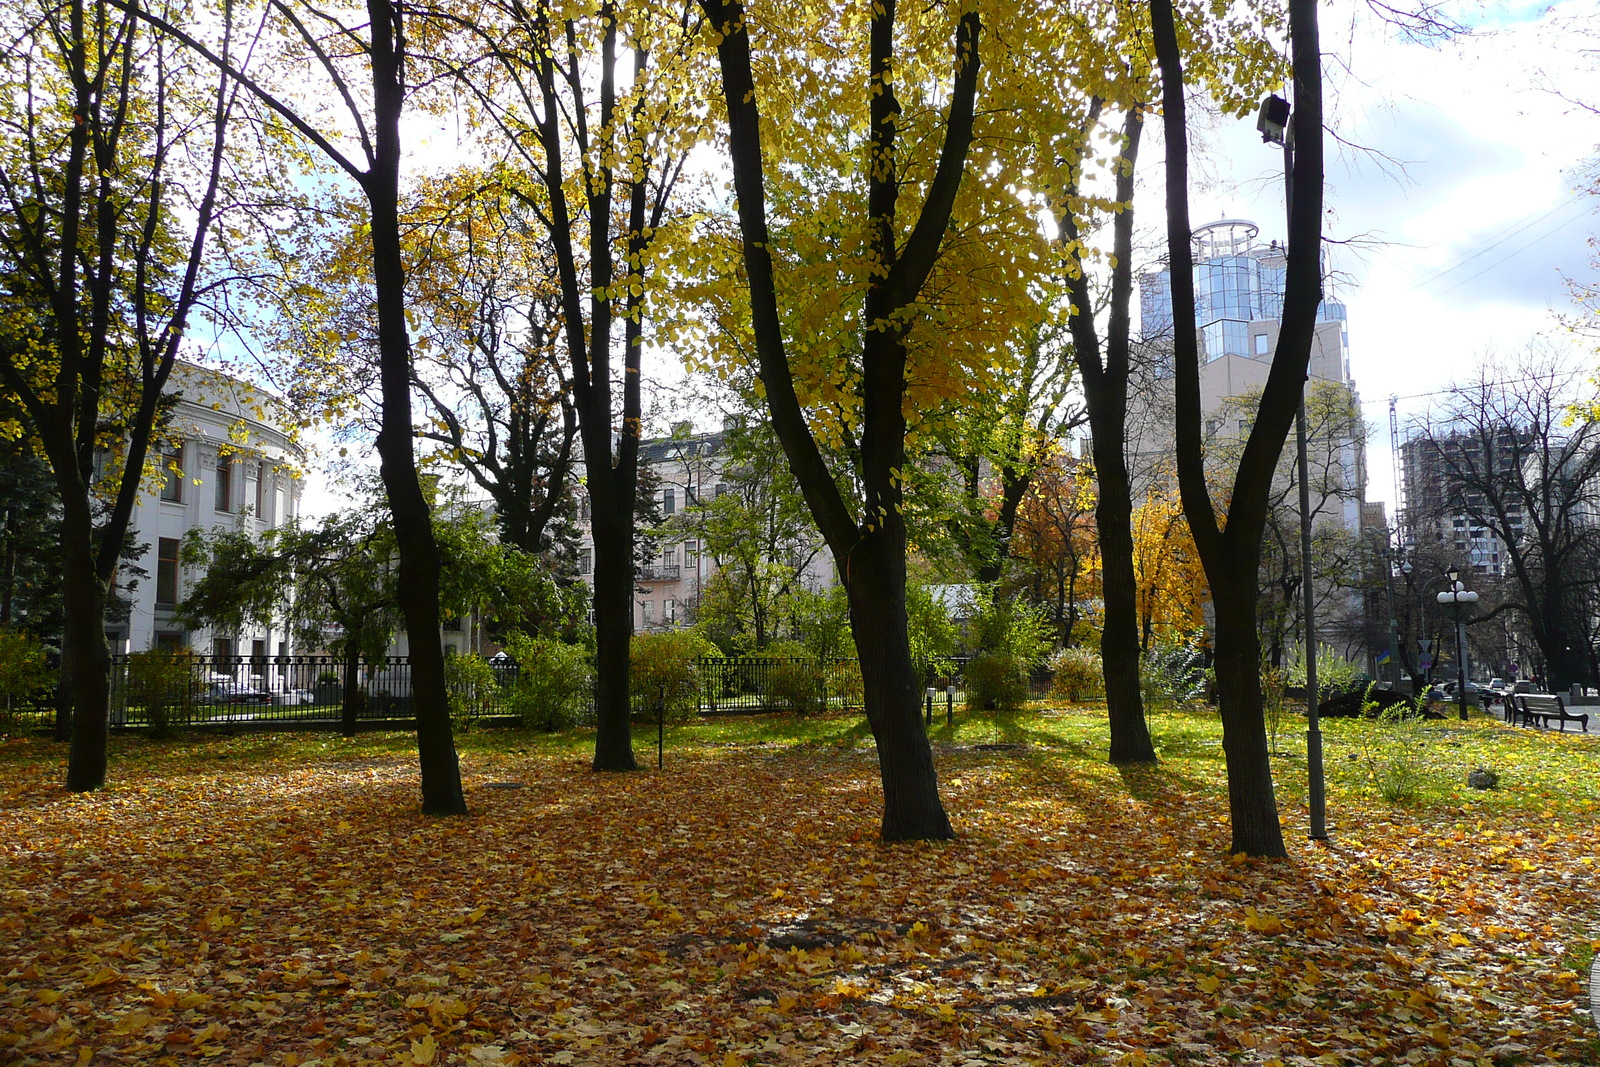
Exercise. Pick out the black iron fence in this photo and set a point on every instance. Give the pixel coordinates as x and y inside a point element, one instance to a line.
<point>179,690</point>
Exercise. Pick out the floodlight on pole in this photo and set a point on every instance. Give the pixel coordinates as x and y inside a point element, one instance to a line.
<point>1273,119</point>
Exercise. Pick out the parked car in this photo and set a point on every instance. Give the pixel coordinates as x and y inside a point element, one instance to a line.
<point>226,689</point>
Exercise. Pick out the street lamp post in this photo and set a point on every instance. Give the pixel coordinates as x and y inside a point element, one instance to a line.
<point>1273,122</point>
<point>1457,595</point>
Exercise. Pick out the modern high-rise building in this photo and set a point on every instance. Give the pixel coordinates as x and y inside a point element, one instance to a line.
<point>1239,286</point>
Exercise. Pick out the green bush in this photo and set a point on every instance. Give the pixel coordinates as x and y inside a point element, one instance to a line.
<point>996,681</point>
<point>845,684</point>
<point>1400,756</point>
<point>1174,672</point>
<point>932,635</point>
<point>1335,673</point>
<point>1076,674</point>
<point>794,680</point>
<point>553,685</point>
<point>473,689</point>
<point>665,667</point>
<point>25,676</point>
<point>162,681</point>
<point>1008,640</point>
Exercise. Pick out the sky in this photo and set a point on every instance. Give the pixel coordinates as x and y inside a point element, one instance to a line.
<point>1454,212</point>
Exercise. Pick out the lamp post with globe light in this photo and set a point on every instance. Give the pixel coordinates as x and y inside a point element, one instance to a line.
<point>1457,595</point>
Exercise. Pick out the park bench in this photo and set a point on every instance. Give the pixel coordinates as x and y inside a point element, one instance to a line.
<point>1548,708</point>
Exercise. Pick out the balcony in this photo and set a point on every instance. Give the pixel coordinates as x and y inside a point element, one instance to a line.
<point>658,572</point>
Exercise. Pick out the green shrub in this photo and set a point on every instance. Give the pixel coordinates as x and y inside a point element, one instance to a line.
<point>1273,684</point>
<point>1174,672</point>
<point>162,681</point>
<point>794,679</point>
<point>1335,673</point>
<point>473,689</point>
<point>996,681</point>
<point>1008,639</point>
<point>553,686</point>
<point>25,676</point>
<point>845,684</point>
<point>1400,756</point>
<point>1076,674</point>
<point>932,635</point>
<point>664,669</point>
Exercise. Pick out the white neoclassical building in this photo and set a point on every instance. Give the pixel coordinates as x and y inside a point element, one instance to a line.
<point>228,463</point>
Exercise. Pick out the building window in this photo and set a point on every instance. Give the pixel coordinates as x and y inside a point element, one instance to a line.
<point>167,571</point>
<point>224,484</point>
<point>172,472</point>
<point>669,501</point>
<point>691,553</point>
<point>585,560</point>
<point>221,649</point>
<point>669,611</point>
<point>1260,340</point>
<point>168,641</point>
<point>261,487</point>
<point>649,609</point>
<point>669,555</point>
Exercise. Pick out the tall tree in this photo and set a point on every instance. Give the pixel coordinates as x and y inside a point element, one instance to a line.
<point>594,115</point>
<point>361,54</point>
<point>112,177</point>
<point>1170,584</point>
<point>1230,546</point>
<point>1334,433</point>
<point>986,450</point>
<point>1104,366</point>
<point>869,543</point>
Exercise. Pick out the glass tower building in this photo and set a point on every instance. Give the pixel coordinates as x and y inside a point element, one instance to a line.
<point>1236,282</point>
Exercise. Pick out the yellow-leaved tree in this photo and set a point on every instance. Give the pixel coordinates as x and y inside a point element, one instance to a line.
<point>112,182</point>
<point>1170,583</point>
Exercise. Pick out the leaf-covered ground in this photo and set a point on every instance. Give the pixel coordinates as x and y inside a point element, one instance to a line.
<point>276,900</point>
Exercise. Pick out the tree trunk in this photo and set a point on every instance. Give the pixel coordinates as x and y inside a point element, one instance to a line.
<point>1252,800</point>
<point>413,524</point>
<point>875,582</point>
<point>1119,637</point>
<point>350,704</point>
<point>1106,394</point>
<point>85,657</point>
<point>613,622</point>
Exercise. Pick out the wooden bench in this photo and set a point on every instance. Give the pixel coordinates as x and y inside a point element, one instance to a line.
<point>1547,708</point>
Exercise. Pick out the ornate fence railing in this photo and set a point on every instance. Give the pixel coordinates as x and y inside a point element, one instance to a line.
<point>185,690</point>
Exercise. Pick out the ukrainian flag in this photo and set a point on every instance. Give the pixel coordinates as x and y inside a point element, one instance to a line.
<point>1384,657</point>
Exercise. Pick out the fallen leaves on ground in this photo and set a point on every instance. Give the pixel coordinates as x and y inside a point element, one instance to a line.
<point>737,909</point>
